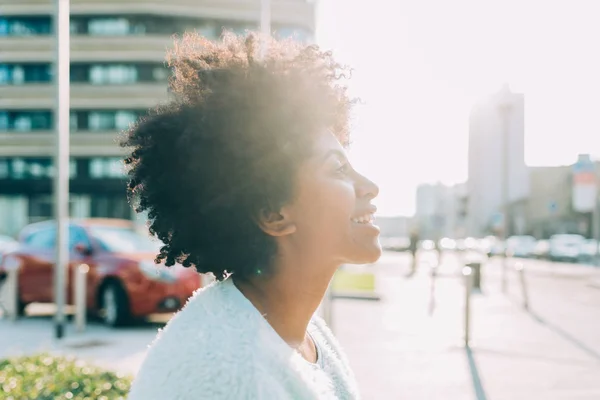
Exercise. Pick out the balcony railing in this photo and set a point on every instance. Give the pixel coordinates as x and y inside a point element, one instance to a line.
<point>84,96</point>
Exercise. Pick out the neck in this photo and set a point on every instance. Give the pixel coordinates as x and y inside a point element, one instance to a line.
<point>288,298</point>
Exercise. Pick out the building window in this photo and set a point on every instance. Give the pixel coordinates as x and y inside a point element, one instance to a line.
<point>16,74</point>
<point>103,120</point>
<point>107,167</point>
<point>295,33</point>
<point>19,168</point>
<point>25,26</point>
<point>107,74</point>
<point>23,121</point>
<point>112,74</point>
<point>108,27</point>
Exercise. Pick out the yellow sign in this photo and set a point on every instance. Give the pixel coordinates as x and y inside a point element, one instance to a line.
<point>348,281</point>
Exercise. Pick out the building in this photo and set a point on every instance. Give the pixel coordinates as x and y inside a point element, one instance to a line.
<point>495,117</point>
<point>393,227</point>
<point>440,211</point>
<point>117,72</point>
<point>550,204</point>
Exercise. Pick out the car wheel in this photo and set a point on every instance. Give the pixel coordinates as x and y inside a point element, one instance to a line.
<point>114,305</point>
<point>21,308</point>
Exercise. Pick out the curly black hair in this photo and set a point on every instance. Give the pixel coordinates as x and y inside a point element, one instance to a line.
<point>227,145</point>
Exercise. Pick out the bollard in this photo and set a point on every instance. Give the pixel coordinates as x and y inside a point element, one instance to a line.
<point>468,275</point>
<point>80,296</point>
<point>432,303</point>
<point>11,287</point>
<point>505,273</point>
<point>12,293</point>
<point>476,273</point>
<point>521,270</point>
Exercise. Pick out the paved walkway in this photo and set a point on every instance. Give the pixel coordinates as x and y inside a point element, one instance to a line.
<point>399,350</point>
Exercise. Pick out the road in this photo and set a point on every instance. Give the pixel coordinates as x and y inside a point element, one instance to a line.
<point>402,348</point>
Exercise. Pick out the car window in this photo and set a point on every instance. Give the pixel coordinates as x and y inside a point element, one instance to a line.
<point>123,240</point>
<point>78,236</point>
<point>44,239</point>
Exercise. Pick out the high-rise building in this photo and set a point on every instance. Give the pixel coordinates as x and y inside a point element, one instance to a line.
<point>117,73</point>
<point>493,119</point>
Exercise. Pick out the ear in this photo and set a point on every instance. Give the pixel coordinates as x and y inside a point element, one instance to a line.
<point>276,223</point>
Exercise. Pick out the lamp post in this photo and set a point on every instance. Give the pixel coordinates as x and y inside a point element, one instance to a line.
<point>61,159</point>
<point>505,108</point>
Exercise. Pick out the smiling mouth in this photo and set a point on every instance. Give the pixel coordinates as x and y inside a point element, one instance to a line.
<point>363,219</point>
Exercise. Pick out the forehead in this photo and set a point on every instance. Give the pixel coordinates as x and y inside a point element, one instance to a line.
<point>325,143</point>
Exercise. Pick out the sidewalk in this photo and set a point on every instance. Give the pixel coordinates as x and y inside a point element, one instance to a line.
<point>399,351</point>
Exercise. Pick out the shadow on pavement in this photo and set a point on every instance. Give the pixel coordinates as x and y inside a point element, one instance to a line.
<point>477,386</point>
<point>565,335</point>
<point>153,323</point>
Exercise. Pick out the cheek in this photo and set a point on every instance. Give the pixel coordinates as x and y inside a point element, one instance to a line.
<point>328,206</point>
<point>334,206</point>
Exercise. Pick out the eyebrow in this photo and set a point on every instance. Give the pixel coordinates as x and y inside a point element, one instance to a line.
<point>335,152</point>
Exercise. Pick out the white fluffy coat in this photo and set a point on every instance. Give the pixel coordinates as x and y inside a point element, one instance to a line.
<point>219,347</point>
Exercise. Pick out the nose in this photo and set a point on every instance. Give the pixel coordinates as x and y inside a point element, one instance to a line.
<point>366,187</point>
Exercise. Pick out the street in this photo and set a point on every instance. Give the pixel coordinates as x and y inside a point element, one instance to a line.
<point>403,348</point>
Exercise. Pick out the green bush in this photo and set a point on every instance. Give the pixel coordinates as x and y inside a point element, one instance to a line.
<point>49,377</point>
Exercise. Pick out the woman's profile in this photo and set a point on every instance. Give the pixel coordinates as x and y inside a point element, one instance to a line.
<point>244,175</point>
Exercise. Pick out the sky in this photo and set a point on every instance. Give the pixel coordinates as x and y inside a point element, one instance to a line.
<point>419,65</point>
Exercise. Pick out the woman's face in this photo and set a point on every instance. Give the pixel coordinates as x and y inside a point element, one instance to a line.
<point>332,211</point>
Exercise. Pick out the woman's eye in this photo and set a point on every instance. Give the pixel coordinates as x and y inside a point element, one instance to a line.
<point>343,169</point>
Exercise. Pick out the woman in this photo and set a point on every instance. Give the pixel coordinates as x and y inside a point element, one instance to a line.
<point>244,175</point>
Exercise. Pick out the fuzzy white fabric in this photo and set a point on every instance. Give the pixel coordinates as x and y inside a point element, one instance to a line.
<point>219,347</point>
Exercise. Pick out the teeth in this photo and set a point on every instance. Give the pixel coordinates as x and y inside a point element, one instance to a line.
<point>365,219</point>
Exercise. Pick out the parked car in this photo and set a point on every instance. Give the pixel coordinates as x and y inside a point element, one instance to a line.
<point>447,244</point>
<point>122,283</point>
<point>395,243</point>
<point>541,249</point>
<point>588,251</point>
<point>521,246</point>
<point>426,244</point>
<point>565,247</point>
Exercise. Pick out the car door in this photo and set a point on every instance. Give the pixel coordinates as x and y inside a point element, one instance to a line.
<point>37,260</point>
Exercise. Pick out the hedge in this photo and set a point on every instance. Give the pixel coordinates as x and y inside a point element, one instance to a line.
<point>49,377</point>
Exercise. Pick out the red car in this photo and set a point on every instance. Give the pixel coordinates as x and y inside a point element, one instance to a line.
<point>123,282</point>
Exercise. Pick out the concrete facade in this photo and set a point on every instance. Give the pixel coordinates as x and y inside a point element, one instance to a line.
<point>487,127</point>
<point>117,73</point>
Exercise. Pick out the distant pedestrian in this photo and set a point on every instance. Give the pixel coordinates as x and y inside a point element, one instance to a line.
<point>244,175</point>
<point>413,248</point>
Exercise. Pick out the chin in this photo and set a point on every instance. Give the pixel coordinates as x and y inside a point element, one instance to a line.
<point>366,255</point>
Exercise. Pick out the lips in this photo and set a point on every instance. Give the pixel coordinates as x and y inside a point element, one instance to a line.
<point>366,216</point>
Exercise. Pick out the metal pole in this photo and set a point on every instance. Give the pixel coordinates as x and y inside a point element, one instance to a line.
<point>12,289</point>
<point>467,273</point>
<point>596,228</point>
<point>521,270</point>
<point>265,26</point>
<point>61,160</point>
<point>504,107</point>
<point>80,296</point>
<point>432,302</point>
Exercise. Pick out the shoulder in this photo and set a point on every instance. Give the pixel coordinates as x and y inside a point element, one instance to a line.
<point>206,348</point>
